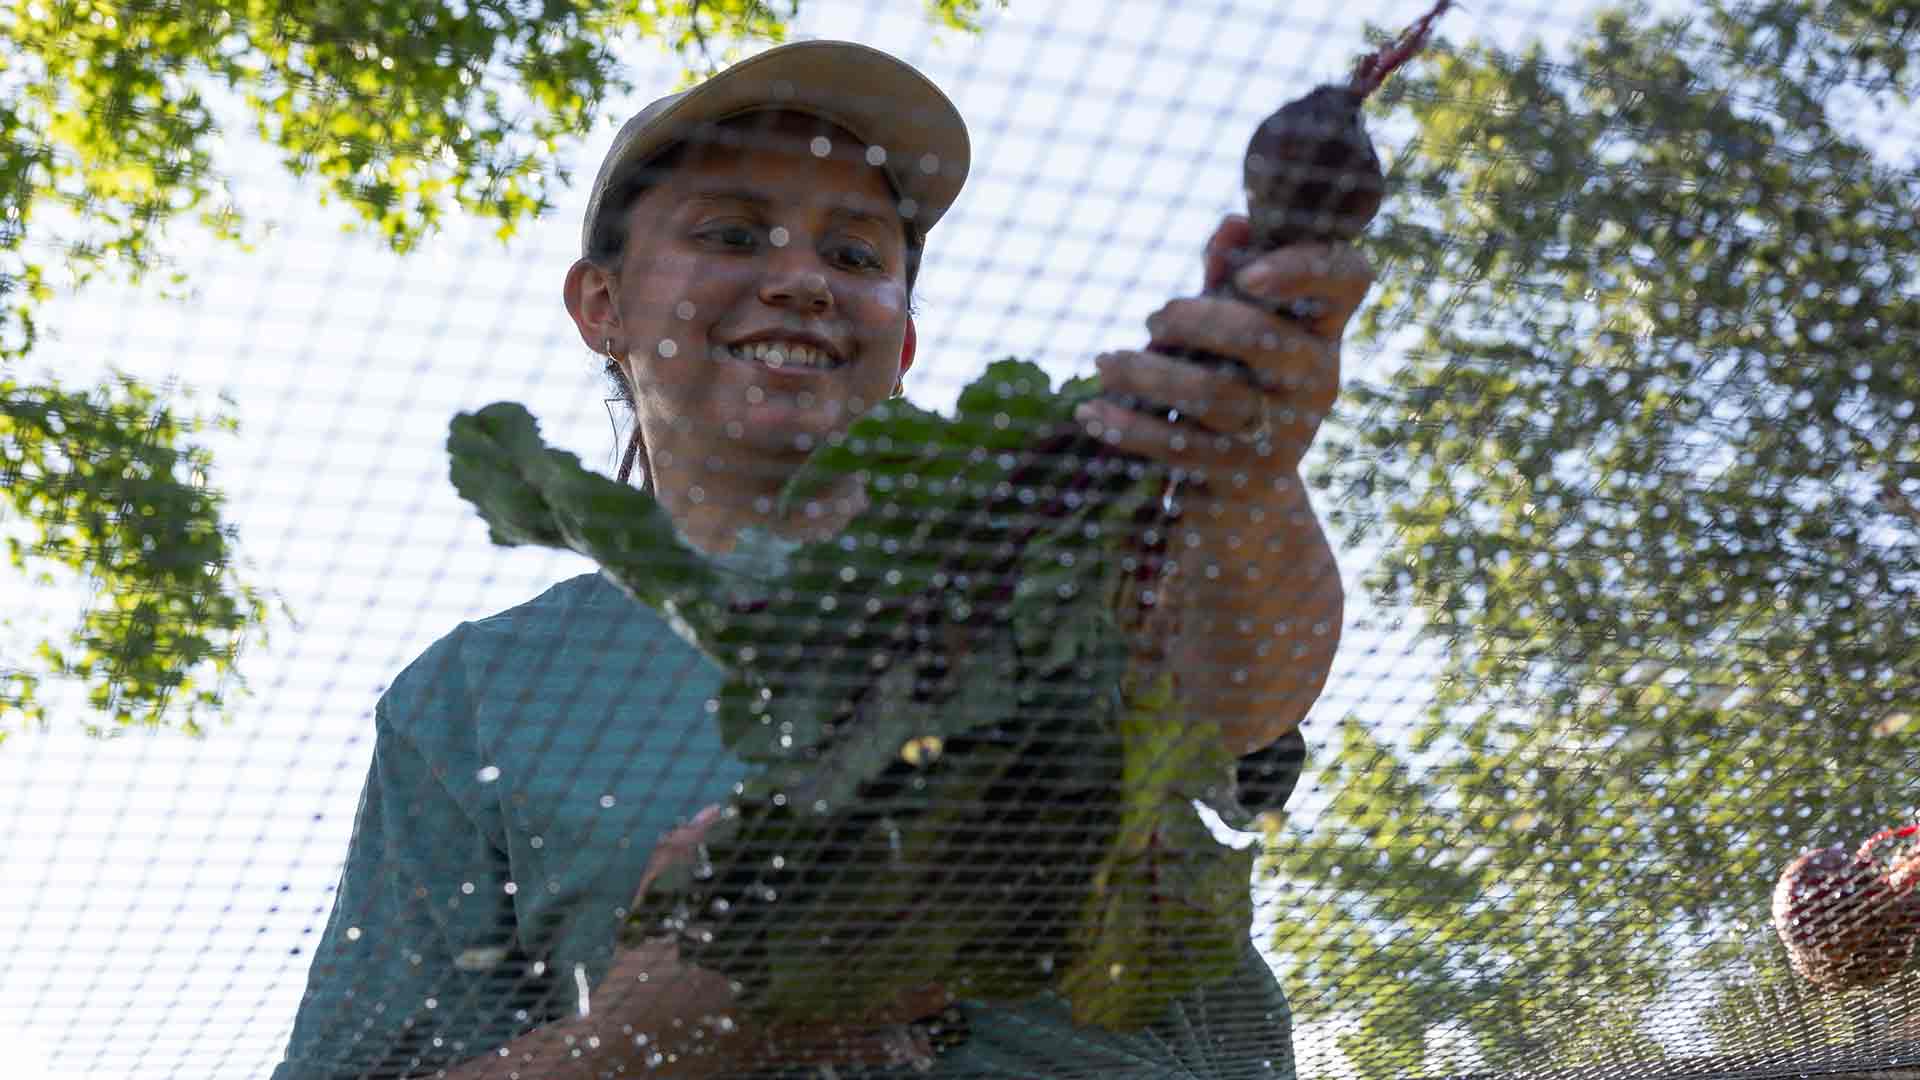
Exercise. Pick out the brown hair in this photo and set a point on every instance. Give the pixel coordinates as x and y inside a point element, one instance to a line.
<point>607,245</point>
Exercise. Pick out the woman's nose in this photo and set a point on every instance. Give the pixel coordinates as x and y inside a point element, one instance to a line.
<point>792,282</point>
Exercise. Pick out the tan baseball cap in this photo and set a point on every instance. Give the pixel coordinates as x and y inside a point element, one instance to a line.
<point>879,99</point>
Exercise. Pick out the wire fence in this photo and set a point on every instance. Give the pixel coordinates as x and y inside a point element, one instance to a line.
<point>1621,491</point>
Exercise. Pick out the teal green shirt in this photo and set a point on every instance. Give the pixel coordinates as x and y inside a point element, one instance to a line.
<point>523,768</point>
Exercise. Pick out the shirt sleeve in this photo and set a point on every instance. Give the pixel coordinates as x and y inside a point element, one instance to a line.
<point>419,965</point>
<point>1266,778</point>
<point>1262,781</point>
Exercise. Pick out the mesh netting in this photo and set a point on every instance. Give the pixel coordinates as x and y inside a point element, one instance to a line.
<point>1552,717</point>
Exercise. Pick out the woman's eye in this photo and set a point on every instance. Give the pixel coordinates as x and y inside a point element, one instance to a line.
<point>731,236</point>
<point>857,256</point>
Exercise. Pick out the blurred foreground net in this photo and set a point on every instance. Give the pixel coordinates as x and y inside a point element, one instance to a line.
<point>1625,481</point>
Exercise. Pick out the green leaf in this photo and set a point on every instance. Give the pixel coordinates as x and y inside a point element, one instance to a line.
<point>529,494</point>
<point>1167,899</point>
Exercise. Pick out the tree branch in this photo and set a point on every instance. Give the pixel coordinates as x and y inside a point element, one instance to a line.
<point>700,36</point>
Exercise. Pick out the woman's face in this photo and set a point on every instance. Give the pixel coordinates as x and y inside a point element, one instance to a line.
<point>761,301</point>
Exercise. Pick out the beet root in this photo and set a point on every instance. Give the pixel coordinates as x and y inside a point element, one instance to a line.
<point>1847,920</point>
<point>1311,174</point>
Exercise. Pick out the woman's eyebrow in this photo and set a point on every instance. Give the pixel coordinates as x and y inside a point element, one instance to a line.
<point>755,197</point>
<point>858,212</point>
<point>750,196</point>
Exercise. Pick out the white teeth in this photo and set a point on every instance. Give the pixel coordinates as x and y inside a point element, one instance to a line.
<point>780,354</point>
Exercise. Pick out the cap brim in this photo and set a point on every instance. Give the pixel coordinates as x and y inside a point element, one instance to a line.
<point>880,100</point>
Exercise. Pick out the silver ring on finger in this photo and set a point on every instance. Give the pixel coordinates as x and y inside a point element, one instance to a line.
<point>1262,432</point>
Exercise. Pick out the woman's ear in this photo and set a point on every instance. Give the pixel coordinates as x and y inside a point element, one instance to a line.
<point>589,298</point>
<point>907,347</point>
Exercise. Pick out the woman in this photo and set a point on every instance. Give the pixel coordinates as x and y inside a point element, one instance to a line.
<point>749,253</point>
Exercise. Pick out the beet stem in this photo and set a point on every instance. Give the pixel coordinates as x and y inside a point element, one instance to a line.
<point>1374,68</point>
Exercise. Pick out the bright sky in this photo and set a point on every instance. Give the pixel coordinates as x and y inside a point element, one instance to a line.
<point>163,894</point>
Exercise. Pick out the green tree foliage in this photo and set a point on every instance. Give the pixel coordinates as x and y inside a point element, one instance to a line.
<point>1647,479</point>
<point>109,488</point>
<point>401,111</point>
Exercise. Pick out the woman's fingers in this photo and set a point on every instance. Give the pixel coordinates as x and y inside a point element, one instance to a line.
<point>1281,354</point>
<point>1217,398</point>
<point>1183,445</point>
<point>1333,278</point>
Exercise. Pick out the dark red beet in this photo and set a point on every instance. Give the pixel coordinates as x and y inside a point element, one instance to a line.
<point>1850,920</point>
<point>1311,173</point>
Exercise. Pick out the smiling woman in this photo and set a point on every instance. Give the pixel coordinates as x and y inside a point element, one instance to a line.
<point>757,303</point>
<point>747,257</point>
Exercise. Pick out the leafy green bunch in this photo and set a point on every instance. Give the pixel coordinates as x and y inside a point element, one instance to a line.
<point>966,770</point>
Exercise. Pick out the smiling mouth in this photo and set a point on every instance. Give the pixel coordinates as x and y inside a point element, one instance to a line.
<point>784,356</point>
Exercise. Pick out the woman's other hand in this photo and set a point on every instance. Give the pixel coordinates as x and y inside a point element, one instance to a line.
<point>704,1036</point>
